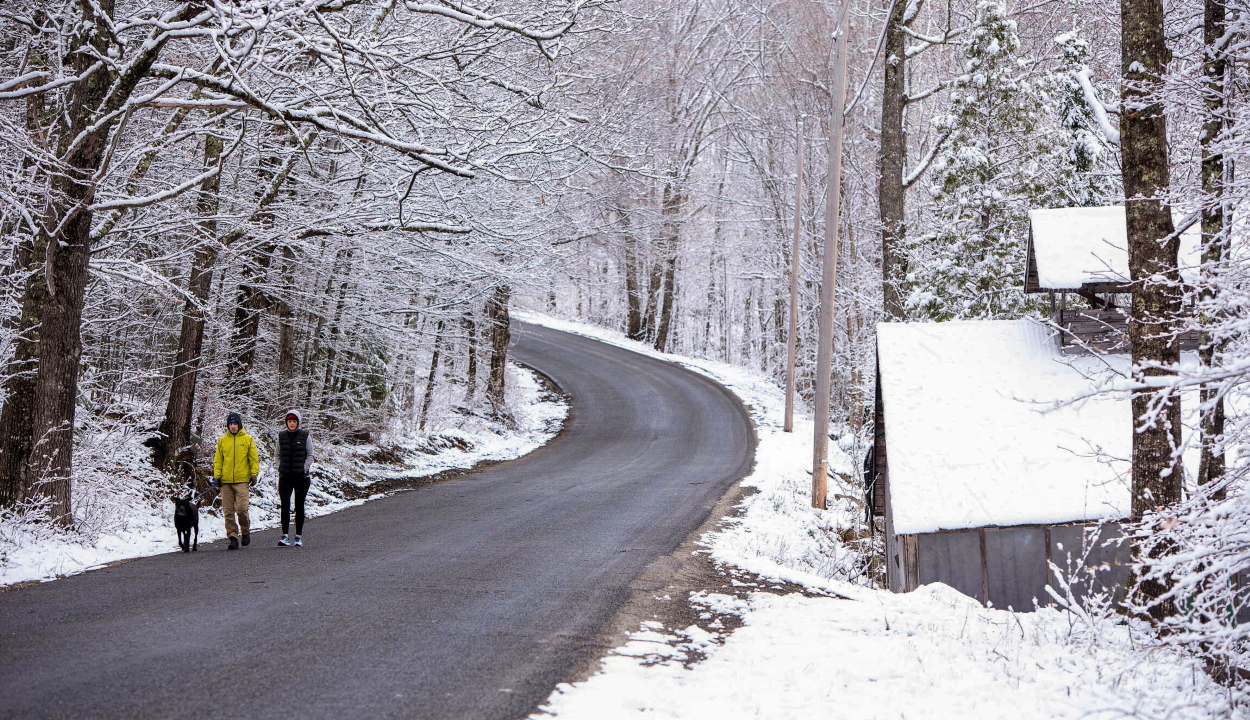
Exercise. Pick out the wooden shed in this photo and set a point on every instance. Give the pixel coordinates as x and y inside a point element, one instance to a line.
<point>1083,251</point>
<point>983,474</point>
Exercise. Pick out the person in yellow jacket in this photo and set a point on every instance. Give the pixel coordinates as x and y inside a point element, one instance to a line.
<point>235,466</point>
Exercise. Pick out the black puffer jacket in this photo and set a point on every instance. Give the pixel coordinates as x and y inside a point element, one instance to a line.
<point>295,450</point>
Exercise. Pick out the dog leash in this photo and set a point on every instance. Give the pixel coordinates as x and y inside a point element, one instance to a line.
<point>197,497</point>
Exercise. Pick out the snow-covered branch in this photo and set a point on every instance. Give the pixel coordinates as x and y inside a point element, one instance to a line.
<point>916,173</point>
<point>1109,133</point>
<point>464,13</point>
<point>420,227</point>
<point>927,42</point>
<point>326,117</point>
<point>156,197</point>
<point>7,94</point>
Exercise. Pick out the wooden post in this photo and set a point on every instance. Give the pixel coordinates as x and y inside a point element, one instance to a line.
<point>829,277</point>
<point>792,340</point>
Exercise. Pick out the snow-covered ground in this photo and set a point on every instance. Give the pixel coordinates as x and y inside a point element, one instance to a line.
<point>868,653</point>
<point>123,509</point>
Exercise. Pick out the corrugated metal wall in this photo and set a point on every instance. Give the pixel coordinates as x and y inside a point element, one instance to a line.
<point>1008,567</point>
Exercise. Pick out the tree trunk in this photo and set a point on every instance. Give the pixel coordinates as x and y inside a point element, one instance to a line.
<point>470,381</point>
<point>500,335</point>
<point>712,299</point>
<point>45,407</point>
<point>654,284</point>
<point>429,381</point>
<point>81,147</point>
<point>673,200</point>
<point>286,393</point>
<point>854,323</point>
<point>664,330</point>
<point>633,298</point>
<point>252,301</point>
<point>327,384</point>
<point>1156,303</point>
<point>19,383</point>
<point>892,156</point>
<point>1214,234</point>
<point>19,374</point>
<point>175,444</point>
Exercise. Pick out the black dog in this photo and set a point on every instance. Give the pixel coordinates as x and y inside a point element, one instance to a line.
<point>186,519</point>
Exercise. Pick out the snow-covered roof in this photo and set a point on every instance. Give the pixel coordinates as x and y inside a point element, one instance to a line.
<point>1080,245</point>
<point>973,438</point>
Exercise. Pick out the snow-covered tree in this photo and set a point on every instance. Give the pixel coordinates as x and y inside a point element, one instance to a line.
<point>1082,172</point>
<point>986,176</point>
<point>311,169</point>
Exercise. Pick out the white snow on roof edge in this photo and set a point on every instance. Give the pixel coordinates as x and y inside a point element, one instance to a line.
<point>973,440</point>
<point>1079,245</point>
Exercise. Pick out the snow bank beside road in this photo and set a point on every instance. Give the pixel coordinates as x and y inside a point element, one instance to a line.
<point>123,509</point>
<point>933,653</point>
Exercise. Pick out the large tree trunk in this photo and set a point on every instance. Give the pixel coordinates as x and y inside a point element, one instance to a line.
<point>19,383</point>
<point>60,295</point>
<point>47,405</point>
<point>655,281</point>
<point>673,200</point>
<point>664,327</point>
<point>892,156</point>
<point>19,375</point>
<point>633,297</point>
<point>1152,255</point>
<point>1214,233</point>
<point>500,335</point>
<point>175,444</point>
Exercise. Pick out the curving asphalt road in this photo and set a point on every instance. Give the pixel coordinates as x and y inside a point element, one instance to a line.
<point>466,599</point>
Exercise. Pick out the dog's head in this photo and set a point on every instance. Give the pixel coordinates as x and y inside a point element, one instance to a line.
<point>184,506</point>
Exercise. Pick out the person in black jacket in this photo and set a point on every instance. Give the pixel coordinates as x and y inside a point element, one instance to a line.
<point>295,456</point>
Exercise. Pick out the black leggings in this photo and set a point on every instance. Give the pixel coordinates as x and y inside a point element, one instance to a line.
<point>298,483</point>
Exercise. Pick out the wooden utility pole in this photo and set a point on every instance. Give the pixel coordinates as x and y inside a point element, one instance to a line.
<point>829,277</point>
<point>792,340</point>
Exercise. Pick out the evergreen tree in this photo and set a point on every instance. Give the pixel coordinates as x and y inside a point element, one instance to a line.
<point>1082,172</point>
<point>989,173</point>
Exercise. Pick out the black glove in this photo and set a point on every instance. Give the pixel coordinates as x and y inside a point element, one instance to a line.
<point>252,479</point>
<point>216,482</point>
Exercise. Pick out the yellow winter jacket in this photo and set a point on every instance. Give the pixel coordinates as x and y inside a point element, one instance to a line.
<point>235,460</point>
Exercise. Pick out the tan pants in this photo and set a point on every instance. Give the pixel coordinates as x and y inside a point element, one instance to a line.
<point>234,501</point>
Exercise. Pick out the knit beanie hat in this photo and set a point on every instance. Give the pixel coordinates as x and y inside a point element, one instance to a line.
<point>234,419</point>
